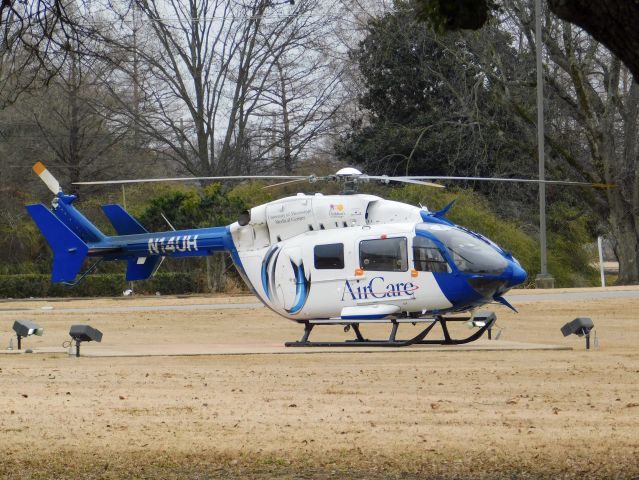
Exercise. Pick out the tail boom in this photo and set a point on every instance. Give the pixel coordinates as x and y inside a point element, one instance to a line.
<point>143,252</point>
<point>73,238</point>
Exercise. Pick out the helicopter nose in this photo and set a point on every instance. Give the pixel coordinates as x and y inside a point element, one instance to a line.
<point>517,275</point>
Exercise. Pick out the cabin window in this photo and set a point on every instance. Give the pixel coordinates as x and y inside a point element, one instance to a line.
<point>329,256</point>
<point>388,255</point>
<point>427,257</point>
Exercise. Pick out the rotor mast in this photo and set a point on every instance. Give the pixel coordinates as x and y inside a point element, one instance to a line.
<point>350,177</point>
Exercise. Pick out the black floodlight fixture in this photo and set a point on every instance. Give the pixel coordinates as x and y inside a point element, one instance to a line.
<point>580,326</point>
<point>84,333</point>
<point>25,328</point>
<point>484,319</point>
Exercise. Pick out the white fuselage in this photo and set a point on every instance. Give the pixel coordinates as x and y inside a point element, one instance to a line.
<point>281,250</point>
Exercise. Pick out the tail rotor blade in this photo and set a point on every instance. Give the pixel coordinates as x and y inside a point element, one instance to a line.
<point>49,180</point>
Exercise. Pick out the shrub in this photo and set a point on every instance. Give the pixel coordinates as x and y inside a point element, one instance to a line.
<point>100,285</point>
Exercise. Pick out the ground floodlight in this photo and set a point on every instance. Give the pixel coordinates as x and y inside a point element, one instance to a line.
<point>580,326</point>
<point>84,333</point>
<point>24,328</point>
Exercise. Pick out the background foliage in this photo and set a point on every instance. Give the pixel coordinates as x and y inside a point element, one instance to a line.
<point>27,275</point>
<point>266,87</point>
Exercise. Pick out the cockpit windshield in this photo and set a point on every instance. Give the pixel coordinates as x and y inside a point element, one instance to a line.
<point>471,254</point>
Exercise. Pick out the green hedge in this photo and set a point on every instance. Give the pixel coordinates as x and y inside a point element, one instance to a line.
<point>99,285</point>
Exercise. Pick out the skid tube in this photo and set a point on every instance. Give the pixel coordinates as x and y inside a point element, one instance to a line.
<point>419,339</point>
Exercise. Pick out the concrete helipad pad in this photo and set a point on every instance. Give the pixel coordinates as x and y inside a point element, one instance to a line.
<point>104,350</point>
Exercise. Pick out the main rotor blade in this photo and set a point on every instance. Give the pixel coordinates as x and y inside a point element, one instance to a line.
<point>273,185</point>
<point>189,179</point>
<point>413,180</point>
<point>513,180</point>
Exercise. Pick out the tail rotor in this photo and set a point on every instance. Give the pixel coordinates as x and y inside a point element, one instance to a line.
<point>49,180</point>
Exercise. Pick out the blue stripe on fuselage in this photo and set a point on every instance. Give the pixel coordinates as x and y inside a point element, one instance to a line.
<point>264,271</point>
<point>458,292</point>
<point>302,287</point>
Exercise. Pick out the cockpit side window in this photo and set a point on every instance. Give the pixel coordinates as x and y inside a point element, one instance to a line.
<point>470,252</point>
<point>427,257</point>
<point>384,255</point>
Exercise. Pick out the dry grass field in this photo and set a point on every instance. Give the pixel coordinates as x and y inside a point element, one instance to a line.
<point>415,414</point>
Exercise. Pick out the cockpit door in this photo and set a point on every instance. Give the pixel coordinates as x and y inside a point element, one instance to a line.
<point>384,273</point>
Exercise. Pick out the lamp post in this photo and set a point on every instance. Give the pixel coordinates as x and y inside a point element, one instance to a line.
<point>544,279</point>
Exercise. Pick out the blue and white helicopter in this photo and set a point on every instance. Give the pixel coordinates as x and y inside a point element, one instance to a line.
<point>347,259</point>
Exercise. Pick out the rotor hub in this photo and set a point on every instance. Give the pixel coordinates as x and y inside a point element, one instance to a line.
<point>348,172</point>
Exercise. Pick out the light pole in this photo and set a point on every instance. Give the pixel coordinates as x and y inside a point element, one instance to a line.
<point>544,279</point>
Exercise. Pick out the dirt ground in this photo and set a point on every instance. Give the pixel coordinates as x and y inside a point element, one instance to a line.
<point>417,414</point>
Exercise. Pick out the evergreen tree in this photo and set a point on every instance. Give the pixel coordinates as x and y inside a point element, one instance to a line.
<point>428,106</point>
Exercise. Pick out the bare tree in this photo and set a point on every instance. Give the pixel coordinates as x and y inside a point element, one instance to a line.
<point>64,120</point>
<point>32,35</point>
<point>303,93</point>
<point>593,133</point>
<point>214,75</point>
<point>197,60</point>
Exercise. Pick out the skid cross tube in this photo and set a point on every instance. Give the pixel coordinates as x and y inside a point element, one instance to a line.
<point>419,339</point>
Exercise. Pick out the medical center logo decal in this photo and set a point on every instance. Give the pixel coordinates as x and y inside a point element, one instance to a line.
<point>302,283</point>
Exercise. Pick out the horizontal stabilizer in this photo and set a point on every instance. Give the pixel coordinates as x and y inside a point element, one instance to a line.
<point>122,221</point>
<point>69,251</point>
<point>142,268</point>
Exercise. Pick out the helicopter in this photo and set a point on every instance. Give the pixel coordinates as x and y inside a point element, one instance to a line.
<point>347,259</point>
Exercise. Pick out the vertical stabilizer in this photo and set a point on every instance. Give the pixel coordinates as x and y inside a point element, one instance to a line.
<point>141,268</point>
<point>69,251</point>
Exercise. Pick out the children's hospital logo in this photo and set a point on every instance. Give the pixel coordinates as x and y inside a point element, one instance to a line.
<point>336,210</point>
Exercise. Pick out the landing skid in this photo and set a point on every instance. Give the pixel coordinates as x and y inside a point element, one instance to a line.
<point>392,341</point>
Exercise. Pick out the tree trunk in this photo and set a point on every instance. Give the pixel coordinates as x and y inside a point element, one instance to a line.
<point>286,137</point>
<point>626,248</point>
<point>72,92</point>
